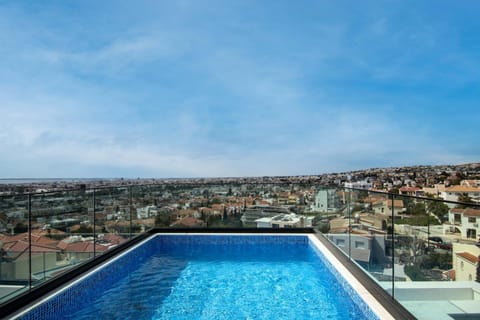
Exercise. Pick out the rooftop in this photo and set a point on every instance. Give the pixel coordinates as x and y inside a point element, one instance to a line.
<point>391,254</point>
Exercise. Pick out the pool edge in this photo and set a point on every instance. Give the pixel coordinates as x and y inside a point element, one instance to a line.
<point>372,288</point>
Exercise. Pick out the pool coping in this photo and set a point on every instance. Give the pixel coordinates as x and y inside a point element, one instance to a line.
<point>395,308</point>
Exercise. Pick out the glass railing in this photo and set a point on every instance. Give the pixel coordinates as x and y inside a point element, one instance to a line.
<point>423,251</point>
<point>45,234</point>
<point>417,248</point>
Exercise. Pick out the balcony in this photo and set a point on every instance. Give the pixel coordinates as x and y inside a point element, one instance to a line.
<point>405,258</point>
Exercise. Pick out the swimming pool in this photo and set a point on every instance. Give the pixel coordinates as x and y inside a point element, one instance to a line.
<point>180,276</point>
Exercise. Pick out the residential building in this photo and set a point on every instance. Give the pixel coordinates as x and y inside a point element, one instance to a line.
<point>436,190</point>
<point>470,183</point>
<point>147,212</point>
<point>255,212</point>
<point>284,221</point>
<point>465,261</point>
<point>188,222</point>
<point>359,185</point>
<point>411,191</point>
<point>385,207</point>
<point>326,200</point>
<point>16,257</point>
<point>452,193</point>
<point>464,221</point>
<point>366,249</point>
<point>77,248</point>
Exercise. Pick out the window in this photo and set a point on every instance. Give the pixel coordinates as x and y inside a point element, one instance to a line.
<point>471,233</point>
<point>340,242</point>
<point>359,245</point>
<point>457,218</point>
<point>275,226</point>
<point>472,219</point>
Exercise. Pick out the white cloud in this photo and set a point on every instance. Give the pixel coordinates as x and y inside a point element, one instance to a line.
<point>264,103</point>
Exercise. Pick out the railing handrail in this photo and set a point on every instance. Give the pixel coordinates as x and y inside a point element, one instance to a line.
<point>212,183</point>
<point>474,204</point>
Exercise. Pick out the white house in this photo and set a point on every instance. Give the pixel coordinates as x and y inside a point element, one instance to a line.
<point>359,185</point>
<point>385,207</point>
<point>465,221</point>
<point>452,193</point>
<point>284,221</point>
<point>326,200</point>
<point>147,212</point>
<point>465,261</point>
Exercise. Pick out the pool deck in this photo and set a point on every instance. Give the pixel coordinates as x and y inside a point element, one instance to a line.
<point>439,299</point>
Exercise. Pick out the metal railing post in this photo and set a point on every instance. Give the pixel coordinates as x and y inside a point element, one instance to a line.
<point>29,240</point>
<point>131,211</point>
<point>44,267</point>
<point>94,224</point>
<point>393,245</point>
<point>428,226</point>
<point>349,226</point>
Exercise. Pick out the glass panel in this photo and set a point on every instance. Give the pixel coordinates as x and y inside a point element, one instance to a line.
<point>14,264</point>
<point>333,209</point>
<point>144,208</point>
<point>111,217</point>
<point>59,238</point>
<point>438,249</point>
<point>362,228</point>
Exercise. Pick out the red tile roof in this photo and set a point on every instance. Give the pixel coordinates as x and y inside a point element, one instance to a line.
<point>466,212</point>
<point>462,189</point>
<point>189,222</point>
<point>468,256</point>
<point>411,189</point>
<point>84,246</point>
<point>113,238</point>
<point>14,249</point>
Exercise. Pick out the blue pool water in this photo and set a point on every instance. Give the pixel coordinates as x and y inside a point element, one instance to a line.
<point>210,277</point>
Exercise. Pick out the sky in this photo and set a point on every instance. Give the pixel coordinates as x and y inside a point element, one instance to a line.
<point>208,88</point>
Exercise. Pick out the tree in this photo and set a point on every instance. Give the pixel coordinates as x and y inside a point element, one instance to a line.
<point>83,229</point>
<point>224,215</point>
<point>214,221</point>
<point>415,273</point>
<point>417,209</point>
<point>216,201</point>
<point>439,209</point>
<point>394,190</point>
<point>437,260</point>
<point>162,220</point>
<point>465,198</point>
<point>20,228</point>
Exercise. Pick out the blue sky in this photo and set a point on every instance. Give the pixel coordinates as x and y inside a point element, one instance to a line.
<point>236,88</point>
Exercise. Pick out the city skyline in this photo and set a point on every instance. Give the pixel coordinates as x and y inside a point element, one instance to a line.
<point>211,89</point>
